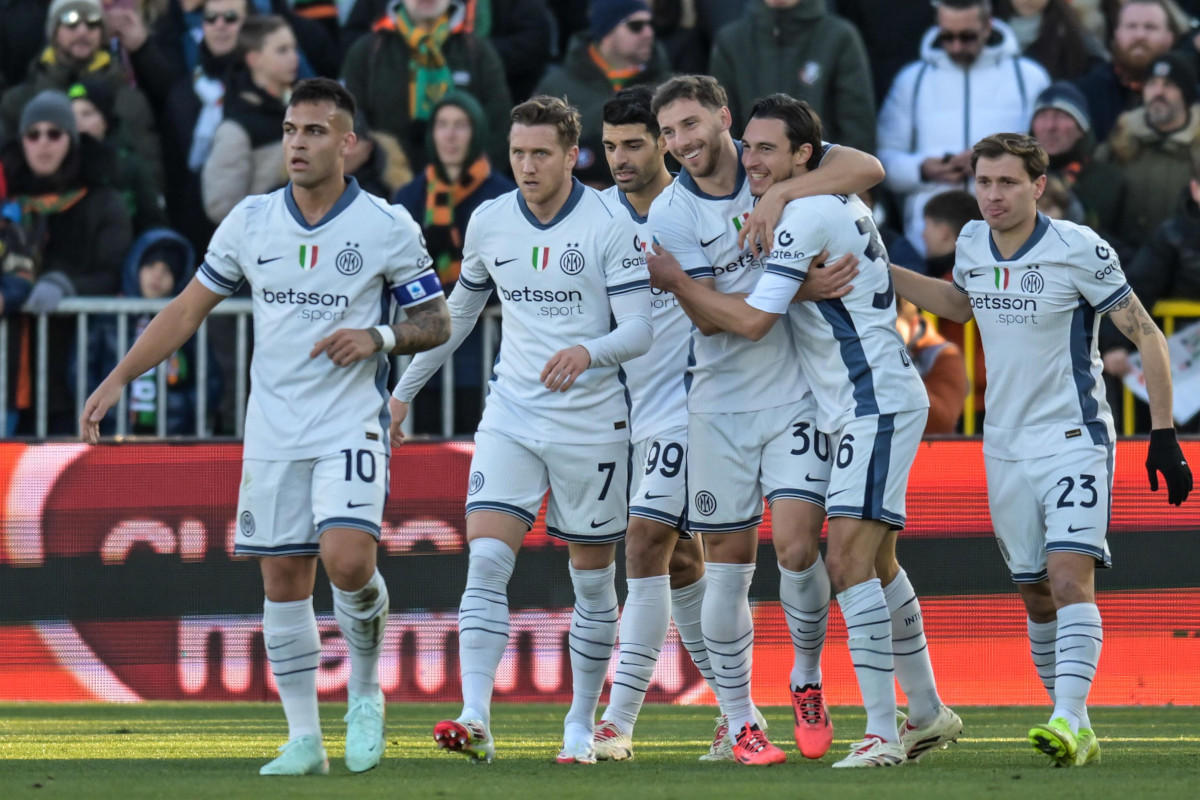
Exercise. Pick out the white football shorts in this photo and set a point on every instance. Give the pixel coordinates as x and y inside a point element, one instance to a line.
<point>659,482</point>
<point>734,459</point>
<point>588,484</point>
<point>872,457</point>
<point>1061,502</point>
<point>285,506</point>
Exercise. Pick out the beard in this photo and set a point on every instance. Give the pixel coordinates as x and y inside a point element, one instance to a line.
<point>1133,63</point>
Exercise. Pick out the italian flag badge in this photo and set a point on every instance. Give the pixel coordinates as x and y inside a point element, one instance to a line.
<point>1001,277</point>
<point>308,256</point>
<point>541,258</point>
<point>739,221</point>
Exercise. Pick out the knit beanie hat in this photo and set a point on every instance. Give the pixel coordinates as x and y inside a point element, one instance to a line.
<point>50,105</point>
<point>99,93</point>
<point>1176,69</point>
<point>88,8</point>
<point>605,15</point>
<point>1066,97</point>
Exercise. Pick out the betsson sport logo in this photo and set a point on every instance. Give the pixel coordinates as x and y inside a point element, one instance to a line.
<point>1010,310</point>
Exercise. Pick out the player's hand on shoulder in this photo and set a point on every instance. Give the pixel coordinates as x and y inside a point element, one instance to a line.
<point>1165,456</point>
<point>828,281</point>
<point>564,367</point>
<point>399,412</point>
<point>664,269</point>
<point>107,395</point>
<point>345,346</point>
<point>759,231</point>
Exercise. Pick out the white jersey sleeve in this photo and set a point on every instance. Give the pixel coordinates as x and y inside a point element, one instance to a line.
<point>410,273</point>
<point>222,271</point>
<point>674,226</point>
<point>1100,279</point>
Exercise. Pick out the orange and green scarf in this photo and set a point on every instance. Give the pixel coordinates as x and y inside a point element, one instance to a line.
<point>429,76</point>
<point>441,198</point>
<point>617,78</point>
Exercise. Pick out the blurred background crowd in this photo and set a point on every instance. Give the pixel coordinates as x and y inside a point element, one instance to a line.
<point>130,128</point>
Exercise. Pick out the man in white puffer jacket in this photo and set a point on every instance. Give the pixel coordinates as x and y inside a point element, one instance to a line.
<point>970,82</point>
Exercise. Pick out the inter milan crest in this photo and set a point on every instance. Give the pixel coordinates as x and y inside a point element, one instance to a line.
<point>1032,283</point>
<point>247,523</point>
<point>571,261</point>
<point>349,261</point>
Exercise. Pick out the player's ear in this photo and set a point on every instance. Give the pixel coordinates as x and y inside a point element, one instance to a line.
<point>572,157</point>
<point>726,117</point>
<point>1039,187</point>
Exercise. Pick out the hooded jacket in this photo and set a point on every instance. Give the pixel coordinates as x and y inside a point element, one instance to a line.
<point>937,107</point>
<point>130,105</point>
<point>580,80</point>
<point>806,52</point>
<point>1157,168</point>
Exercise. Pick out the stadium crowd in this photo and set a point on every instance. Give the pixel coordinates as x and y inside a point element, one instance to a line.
<point>130,128</point>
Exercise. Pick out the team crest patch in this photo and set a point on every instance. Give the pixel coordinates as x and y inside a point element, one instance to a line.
<point>541,258</point>
<point>572,261</point>
<point>349,261</point>
<point>1032,283</point>
<point>247,524</point>
<point>476,482</point>
<point>308,256</point>
<point>705,503</point>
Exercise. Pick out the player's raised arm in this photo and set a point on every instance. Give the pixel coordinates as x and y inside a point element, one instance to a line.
<point>165,334</point>
<point>1164,454</point>
<point>939,297</point>
<point>843,170</point>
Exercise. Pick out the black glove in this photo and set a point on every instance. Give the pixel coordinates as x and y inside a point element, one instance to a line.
<point>1165,456</point>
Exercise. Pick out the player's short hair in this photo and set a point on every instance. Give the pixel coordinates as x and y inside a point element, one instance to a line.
<point>704,89</point>
<point>954,208</point>
<point>254,32</point>
<point>321,90</point>
<point>1021,145</point>
<point>802,123</point>
<point>553,111</point>
<point>984,6</point>
<point>632,106</point>
<point>1173,24</point>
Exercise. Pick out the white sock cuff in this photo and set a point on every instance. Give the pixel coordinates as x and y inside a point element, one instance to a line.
<point>1042,631</point>
<point>684,594</point>
<point>804,575</point>
<point>374,584</point>
<point>291,615</point>
<point>729,575</point>
<point>1078,612</point>
<point>651,585</point>
<point>495,551</point>
<point>860,597</point>
<point>594,584</point>
<point>899,590</point>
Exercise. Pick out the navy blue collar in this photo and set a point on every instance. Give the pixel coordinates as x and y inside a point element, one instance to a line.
<point>638,218</point>
<point>348,196</point>
<point>1039,230</point>
<point>688,182</point>
<point>567,208</point>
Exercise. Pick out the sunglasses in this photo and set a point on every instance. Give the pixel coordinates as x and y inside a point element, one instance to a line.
<point>74,17</point>
<point>230,17</point>
<point>962,37</point>
<point>637,25</point>
<point>51,134</point>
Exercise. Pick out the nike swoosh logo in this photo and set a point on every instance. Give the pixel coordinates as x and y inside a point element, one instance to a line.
<point>655,496</point>
<point>877,638</point>
<point>839,491</point>
<point>975,273</point>
<point>811,479</point>
<point>601,524</point>
<point>1069,649</point>
<point>262,260</point>
<point>500,263</point>
<point>357,505</point>
<point>710,241</point>
<point>289,641</point>
<point>1073,529</point>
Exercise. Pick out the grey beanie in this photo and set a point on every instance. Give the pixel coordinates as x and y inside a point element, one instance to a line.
<point>85,7</point>
<point>53,106</point>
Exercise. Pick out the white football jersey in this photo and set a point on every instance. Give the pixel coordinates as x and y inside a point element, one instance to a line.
<point>855,360</point>
<point>554,282</point>
<point>308,281</point>
<point>656,379</point>
<point>728,373</point>
<point>1038,315</point>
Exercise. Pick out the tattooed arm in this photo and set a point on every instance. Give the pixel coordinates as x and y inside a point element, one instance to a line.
<point>427,326</point>
<point>1131,318</point>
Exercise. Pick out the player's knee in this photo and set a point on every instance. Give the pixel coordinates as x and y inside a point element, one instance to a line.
<point>686,567</point>
<point>348,572</point>
<point>797,553</point>
<point>846,569</point>
<point>647,548</point>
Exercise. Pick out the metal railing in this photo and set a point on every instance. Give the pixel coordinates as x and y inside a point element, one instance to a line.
<point>85,309</point>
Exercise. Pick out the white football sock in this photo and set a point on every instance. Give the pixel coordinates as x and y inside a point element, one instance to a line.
<point>1077,653</point>
<point>869,630</point>
<point>591,639</point>
<point>1043,637</point>
<point>910,652</point>
<point>804,596</point>
<point>729,636</point>
<point>362,618</point>
<point>687,603</point>
<point>294,650</point>
<point>483,623</point>
<point>644,623</point>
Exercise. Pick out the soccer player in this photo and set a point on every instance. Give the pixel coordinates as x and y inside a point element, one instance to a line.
<point>873,404</point>
<point>751,418</point>
<point>1037,287</point>
<point>562,258</point>
<point>318,255</point>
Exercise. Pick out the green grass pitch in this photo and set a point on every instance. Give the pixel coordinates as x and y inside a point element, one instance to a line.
<point>184,751</point>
